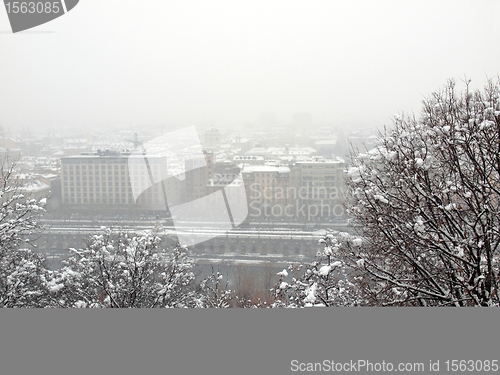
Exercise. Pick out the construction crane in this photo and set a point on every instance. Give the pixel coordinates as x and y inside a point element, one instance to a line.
<point>137,143</point>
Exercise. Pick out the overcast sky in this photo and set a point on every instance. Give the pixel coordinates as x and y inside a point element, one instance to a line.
<point>112,62</point>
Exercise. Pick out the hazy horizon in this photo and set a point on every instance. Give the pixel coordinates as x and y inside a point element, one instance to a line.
<point>221,63</point>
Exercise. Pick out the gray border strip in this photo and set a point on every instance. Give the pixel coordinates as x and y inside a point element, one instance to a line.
<point>254,341</point>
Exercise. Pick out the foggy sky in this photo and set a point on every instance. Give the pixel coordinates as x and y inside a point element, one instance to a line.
<point>115,62</point>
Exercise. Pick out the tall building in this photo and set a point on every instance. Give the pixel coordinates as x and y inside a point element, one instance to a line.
<point>267,189</point>
<point>105,179</point>
<point>213,139</point>
<point>308,190</point>
<point>320,186</point>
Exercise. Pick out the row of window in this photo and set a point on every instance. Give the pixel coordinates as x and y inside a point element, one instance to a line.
<point>97,179</point>
<point>90,167</point>
<point>133,168</point>
<point>318,166</point>
<point>109,188</point>
<point>111,197</point>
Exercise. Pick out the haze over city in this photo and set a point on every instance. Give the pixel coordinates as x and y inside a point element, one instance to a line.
<point>224,63</point>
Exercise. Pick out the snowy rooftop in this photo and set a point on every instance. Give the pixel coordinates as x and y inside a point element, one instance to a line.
<point>265,168</point>
<point>281,151</point>
<point>321,161</point>
<point>247,157</point>
<point>34,186</point>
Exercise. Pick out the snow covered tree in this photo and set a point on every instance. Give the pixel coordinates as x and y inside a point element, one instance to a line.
<point>18,213</point>
<point>126,270</point>
<point>215,293</point>
<point>25,281</point>
<point>22,271</point>
<point>327,281</point>
<point>426,202</point>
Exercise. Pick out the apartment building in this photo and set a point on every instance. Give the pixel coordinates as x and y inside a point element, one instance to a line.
<point>320,186</point>
<point>105,179</point>
<point>267,188</point>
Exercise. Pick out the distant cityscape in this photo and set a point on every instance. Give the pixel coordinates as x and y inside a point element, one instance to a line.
<point>293,176</point>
